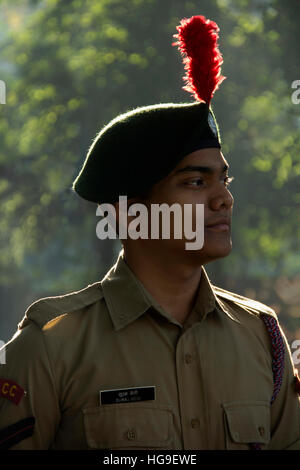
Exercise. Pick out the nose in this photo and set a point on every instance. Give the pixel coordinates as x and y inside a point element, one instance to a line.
<point>221,199</point>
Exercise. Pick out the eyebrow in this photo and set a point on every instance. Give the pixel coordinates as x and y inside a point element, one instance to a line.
<point>202,169</point>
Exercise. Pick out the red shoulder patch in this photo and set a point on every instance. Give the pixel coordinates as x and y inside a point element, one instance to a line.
<point>11,390</point>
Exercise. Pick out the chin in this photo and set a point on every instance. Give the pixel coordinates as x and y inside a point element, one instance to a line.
<point>212,253</point>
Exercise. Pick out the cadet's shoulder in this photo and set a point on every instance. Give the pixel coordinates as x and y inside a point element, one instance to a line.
<point>46,309</point>
<point>240,302</point>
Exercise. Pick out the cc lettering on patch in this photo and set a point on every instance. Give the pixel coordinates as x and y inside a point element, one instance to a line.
<point>127,395</point>
<point>11,390</point>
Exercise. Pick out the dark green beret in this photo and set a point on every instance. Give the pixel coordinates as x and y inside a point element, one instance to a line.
<point>137,149</point>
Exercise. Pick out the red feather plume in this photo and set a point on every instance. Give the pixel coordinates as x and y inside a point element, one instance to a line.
<point>197,42</point>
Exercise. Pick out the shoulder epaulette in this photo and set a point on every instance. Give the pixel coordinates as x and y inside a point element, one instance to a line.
<point>251,305</point>
<point>46,309</point>
<point>269,318</point>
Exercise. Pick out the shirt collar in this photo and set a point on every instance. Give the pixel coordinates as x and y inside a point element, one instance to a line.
<point>127,299</point>
<point>123,295</point>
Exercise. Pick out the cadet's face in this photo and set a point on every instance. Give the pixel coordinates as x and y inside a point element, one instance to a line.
<point>200,178</point>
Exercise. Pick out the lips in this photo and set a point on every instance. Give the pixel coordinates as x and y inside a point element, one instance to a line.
<point>219,225</point>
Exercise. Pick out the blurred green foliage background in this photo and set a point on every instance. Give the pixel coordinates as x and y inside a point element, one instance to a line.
<point>70,66</point>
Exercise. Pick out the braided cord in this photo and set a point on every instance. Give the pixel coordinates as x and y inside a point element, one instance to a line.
<point>277,352</point>
<point>277,344</point>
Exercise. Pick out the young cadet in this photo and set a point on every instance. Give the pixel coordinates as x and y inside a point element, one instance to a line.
<point>154,356</point>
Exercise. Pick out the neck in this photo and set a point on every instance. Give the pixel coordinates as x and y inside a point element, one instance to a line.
<point>172,282</point>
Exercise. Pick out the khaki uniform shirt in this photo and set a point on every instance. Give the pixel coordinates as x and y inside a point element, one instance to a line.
<point>206,384</point>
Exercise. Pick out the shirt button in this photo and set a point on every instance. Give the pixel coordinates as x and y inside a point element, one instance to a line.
<point>131,434</point>
<point>261,430</point>
<point>188,358</point>
<point>195,423</point>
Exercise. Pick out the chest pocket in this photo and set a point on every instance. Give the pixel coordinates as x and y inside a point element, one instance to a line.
<point>246,422</point>
<point>128,426</point>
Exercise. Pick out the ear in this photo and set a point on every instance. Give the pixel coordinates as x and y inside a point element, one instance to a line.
<point>130,201</point>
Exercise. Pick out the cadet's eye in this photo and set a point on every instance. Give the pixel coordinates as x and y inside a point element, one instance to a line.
<point>196,182</point>
<point>228,180</point>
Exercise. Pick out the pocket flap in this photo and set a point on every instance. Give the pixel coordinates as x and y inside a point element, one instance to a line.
<point>248,421</point>
<point>125,426</point>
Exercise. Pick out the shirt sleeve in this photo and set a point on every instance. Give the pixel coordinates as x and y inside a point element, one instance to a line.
<point>29,406</point>
<point>285,411</point>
